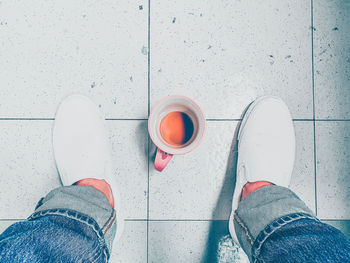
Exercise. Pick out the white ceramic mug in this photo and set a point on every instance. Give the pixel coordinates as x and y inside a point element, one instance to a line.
<point>175,103</point>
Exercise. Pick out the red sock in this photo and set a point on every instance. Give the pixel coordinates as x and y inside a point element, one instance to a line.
<point>100,185</point>
<point>249,188</point>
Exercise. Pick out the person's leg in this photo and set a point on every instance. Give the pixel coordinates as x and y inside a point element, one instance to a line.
<point>273,225</point>
<point>268,220</point>
<point>80,221</point>
<point>71,224</point>
<point>82,148</point>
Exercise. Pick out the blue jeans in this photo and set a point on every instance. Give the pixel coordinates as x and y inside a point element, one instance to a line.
<point>273,225</point>
<point>77,224</point>
<point>71,224</point>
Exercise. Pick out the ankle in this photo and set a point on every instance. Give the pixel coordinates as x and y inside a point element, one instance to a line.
<point>250,187</point>
<point>100,185</point>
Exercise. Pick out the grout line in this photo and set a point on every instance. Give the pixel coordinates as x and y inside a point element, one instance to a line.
<point>149,111</point>
<point>146,119</point>
<point>52,119</point>
<point>126,119</point>
<point>148,161</point>
<point>27,119</point>
<point>164,220</point>
<point>302,119</point>
<point>306,120</point>
<point>332,120</point>
<point>174,220</point>
<point>188,220</point>
<point>223,119</point>
<point>149,60</point>
<point>313,100</point>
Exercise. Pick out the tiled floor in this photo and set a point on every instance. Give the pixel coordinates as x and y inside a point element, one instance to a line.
<point>126,55</point>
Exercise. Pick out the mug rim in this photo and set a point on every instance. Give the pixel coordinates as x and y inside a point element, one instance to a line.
<point>201,111</point>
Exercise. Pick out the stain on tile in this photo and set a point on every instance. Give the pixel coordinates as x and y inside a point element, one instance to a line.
<point>331,50</point>
<point>209,242</point>
<point>144,50</point>
<point>132,247</point>
<point>51,72</point>
<point>333,169</point>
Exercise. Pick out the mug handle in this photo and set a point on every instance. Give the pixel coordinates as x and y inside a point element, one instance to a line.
<point>162,159</point>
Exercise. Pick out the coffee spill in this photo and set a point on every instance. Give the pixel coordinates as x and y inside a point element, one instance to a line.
<point>176,128</point>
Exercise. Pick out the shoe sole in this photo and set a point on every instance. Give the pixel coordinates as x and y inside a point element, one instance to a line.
<point>246,116</point>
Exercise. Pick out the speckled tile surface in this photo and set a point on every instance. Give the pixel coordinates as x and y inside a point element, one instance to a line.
<point>129,156</point>
<point>224,54</point>
<point>303,178</point>
<point>29,172</point>
<point>200,185</point>
<point>333,169</point>
<point>188,241</point>
<point>52,49</point>
<point>332,59</point>
<point>133,244</point>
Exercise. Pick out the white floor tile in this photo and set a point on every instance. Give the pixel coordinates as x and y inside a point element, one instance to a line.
<point>188,241</point>
<point>129,152</point>
<point>224,54</point>
<point>303,178</point>
<point>132,247</point>
<point>332,59</point>
<point>333,169</point>
<point>198,185</point>
<point>29,172</point>
<point>53,48</point>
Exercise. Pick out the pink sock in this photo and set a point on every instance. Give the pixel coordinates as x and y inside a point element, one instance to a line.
<point>100,185</point>
<point>249,188</point>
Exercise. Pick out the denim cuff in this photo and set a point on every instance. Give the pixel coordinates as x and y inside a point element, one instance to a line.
<point>86,201</point>
<point>261,208</point>
<point>274,226</point>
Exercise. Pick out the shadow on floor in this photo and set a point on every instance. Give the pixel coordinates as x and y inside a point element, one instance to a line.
<point>218,230</point>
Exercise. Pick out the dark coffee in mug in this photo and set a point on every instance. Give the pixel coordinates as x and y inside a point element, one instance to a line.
<point>176,128</point>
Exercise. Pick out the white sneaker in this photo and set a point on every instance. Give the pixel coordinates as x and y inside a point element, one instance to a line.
<point>82,149</point>
<point>266,148</point>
